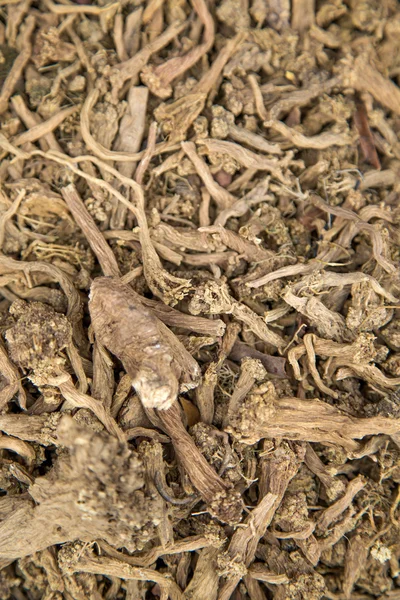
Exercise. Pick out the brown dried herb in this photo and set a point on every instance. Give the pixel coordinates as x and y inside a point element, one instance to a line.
<point>199,300</point>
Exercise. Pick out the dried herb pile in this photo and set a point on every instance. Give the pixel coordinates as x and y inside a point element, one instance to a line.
<point>200,300</point>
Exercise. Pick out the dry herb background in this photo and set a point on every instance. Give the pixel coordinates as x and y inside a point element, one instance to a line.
<point>200,300</point>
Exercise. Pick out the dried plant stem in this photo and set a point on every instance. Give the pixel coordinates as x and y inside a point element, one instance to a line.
<point>31,120</point>
<point>19,64</point>
<point>221,197</point>
<point>174,318</point>
<point>275,365</point>
<point>369,373</point>
<point>74,303</point>
<point>8,147</point>
<point>309,420</point>
<point>146,559</point>
<point>112,567</point>
<point>258,99</point>
<point>209,79</point>
<point>63,76</point>
<point>244,542</point>
<point>259,572</point>
<point>356,559</point>
<point>204,210</point>
<point>164,251</point>
<point>156,26</point>
<point>66,25</point>
<point>82,54</point>
<point>148,154</point>
<point>303,15</point>
<point>302,97</point>
<point>131,38</point>
<point>118,37</point>
<point>319,142</point>
<point>44,128</point>
<point>252,370</point>
<point>245,157</point>
<point>204,583</point>
<point>19,447</point>
<point>168,496</point>
<point>103,378</point>
<point>159,79</point>
<point>205,391</point>
<point>150,10</point>
<point>192,239</point>
<point>97,242</point>
<point>308,344</point>
<point>130,136</point>
<point>145,432</point>
<point>359,224</point>
<point>77,399</point>
<point>11,374</point>
<point>333,486</point>
<point>256,324</point>
<point>331,279</point>
<point>63,9</point>
<point>365,136</point>
<point>8,214</point>
<point>77,365</point>
<point>90,142</point>
<point>31,428</point>
<point>244,136</point>
<point>15,17</point>
<point>130,69</point>
<point>248,250</point>
<point>335,510</point>
<point>220,500</point>
<point>102,152</point>
<point>365,78</point>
